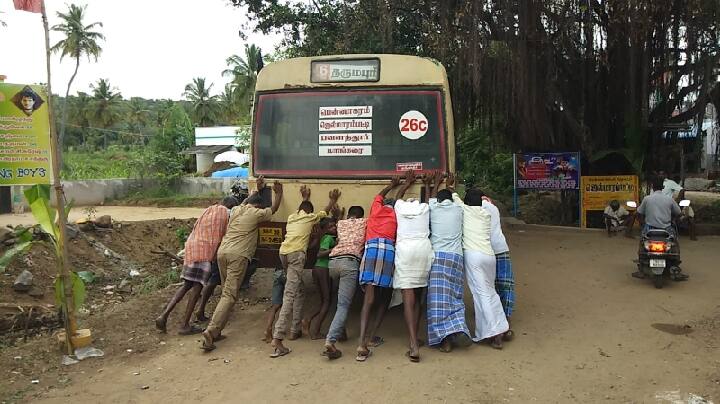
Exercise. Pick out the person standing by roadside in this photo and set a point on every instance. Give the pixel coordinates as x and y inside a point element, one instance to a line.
<point>445,307</point>
<point>235,252</point>
<point>479,257</point>
<point>344,264</point>
<point>200,251</point>
<point>377,267</point>
<point>292,255</point>
<point>504,277</point>
<point>413,259</point>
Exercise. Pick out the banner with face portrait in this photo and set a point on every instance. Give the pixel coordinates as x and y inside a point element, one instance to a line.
<point>25,156</point>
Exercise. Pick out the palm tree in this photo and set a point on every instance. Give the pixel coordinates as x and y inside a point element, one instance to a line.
<point>204,106</point>
<point>228,105</point>
<point>80,40</point>
<point>243,72</point>
<point>137,116</point>
<point>80,107</point>
<point>106,102</point>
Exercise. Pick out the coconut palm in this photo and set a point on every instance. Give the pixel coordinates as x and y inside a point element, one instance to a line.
<point>138,116</point>
<point>205,107</point>
<point>243,71</point>
<point>80,108</point>
<point>106,104</point>
<point>228,105</point>
<point>80,40</point>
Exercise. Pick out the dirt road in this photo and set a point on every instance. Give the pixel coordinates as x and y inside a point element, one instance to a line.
<point>586,332</point>
<point>118,213</point>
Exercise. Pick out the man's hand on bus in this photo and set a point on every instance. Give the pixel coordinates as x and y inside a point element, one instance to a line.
<point>337,213</point>
<point>394,181</point>
<point>451,182</point>
<point>438,178</point>
<point>278,189</point>
<point>334,195</point>
<point>409,177</point>
<point>409,180</point>
<point>260,183</point>
<point>305,192</point>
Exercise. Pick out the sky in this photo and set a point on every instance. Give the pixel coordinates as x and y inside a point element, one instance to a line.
<point>152,48</point>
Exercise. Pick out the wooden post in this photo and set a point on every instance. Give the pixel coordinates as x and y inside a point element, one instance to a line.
<point>63,270</point>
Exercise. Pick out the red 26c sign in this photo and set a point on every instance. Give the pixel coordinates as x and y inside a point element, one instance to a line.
<point>413,125</point>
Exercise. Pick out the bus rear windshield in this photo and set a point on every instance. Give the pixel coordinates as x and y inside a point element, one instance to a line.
<point>349,133</point>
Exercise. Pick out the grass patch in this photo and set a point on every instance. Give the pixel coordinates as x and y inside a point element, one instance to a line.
<point>152,283</point>
<point>111,163</point>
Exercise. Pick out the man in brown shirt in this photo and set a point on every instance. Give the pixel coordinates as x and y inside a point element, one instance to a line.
<point>235,252</point>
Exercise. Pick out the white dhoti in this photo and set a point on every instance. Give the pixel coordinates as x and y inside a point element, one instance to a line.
<point>489,315</point>
<point>413,259</point>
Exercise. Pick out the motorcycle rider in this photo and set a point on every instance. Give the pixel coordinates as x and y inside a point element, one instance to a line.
<point>657,211</point>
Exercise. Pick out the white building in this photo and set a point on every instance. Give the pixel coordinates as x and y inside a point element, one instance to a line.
<point>209,142</point>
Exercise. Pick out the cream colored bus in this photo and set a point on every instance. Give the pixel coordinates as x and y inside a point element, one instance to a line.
<point>349,122</point>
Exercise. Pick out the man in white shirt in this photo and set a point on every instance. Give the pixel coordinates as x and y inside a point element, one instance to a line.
<point>413,258</point>
<point>616,218</point>
<point>479,257</point>
<point>504,277</point>
<point>671,187</point>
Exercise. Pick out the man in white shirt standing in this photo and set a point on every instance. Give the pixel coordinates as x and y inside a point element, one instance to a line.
<point>490,321</point>
<point>504,278</point>
<point>413,258</point>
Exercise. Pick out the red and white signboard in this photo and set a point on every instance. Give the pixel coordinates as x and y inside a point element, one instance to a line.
<point>345,151</point>
<point>345,138</point>
<point>334,125</point>
<point>415,166</point>
<point>413,125</point>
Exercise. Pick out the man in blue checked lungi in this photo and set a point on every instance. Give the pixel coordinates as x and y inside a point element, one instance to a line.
<point>377,267</point>
<point>504,278</point>
<point>445,306</point>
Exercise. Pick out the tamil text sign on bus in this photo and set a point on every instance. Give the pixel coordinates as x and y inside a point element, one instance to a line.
<point>345,71</point>
<point>598,191</point>
<point>24,135</point>
<point>549,171</point>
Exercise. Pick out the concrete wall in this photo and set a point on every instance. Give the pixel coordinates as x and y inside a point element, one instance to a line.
<point>99,192</point>
<point>204,161</point>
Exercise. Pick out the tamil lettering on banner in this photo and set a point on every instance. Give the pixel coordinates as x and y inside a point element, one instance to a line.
<point>24,135</point>
<point>598,191</point>
<point>330,125</point>
<point>344,150</point>
<point>415,166</point>
<point>345,138</point>
<point>346,112</point>
<point>549,171</point>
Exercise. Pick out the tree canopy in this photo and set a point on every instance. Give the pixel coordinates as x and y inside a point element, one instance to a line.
<point>538,75</point>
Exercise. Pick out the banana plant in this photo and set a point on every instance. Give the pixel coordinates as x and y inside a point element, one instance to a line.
<point>38,197</point>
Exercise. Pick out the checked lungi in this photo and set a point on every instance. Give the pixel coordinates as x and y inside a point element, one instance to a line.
<point>445,306</point>
<point>197,272</point>
<point>505,282</point>
<point>378,263</point>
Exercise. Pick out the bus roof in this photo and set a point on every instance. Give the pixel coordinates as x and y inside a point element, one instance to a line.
<point>395,70</point>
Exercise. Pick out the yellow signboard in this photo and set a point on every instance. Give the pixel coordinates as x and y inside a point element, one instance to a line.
<point>270,235</point>
<point>24,135</point>
<point>598,191</point>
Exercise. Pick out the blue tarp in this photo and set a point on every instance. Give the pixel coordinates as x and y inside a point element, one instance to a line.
<point>236,172</point>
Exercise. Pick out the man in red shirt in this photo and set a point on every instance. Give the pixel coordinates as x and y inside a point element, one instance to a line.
<point>377,266</point>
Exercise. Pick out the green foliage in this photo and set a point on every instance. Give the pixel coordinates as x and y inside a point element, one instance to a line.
<point>80,39</point>
<point>205,107</point>
<point>165,159</point>
<point>78,290</point>
<point>491,170</point>
<point>182,234</point>
<point>154,282</point>
<point>17,249</point>
<point>111,163</point>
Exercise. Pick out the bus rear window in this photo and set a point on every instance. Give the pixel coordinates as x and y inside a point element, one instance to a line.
<point>348,133</point>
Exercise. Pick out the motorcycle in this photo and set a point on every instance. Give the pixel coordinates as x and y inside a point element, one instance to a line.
<point>239,189</point>
<point>659,253</point>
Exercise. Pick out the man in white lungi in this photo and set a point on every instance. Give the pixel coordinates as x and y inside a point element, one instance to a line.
<point>490,321</point>
<point>413,259</point>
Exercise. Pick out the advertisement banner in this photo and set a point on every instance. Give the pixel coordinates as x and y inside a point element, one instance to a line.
<point>598,191</point>
<point>548,171</point>
<point>24,135</point>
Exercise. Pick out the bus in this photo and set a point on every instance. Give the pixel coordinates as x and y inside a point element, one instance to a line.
<point>349,122</point>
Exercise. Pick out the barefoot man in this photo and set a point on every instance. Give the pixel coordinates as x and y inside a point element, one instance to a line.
<point>413,259</point>
<point>292,255</point>
<point>445,307</point>
<point>490,321</point>
<point>377,267</point>
<point>200,251</point>
<point>235,252</point>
